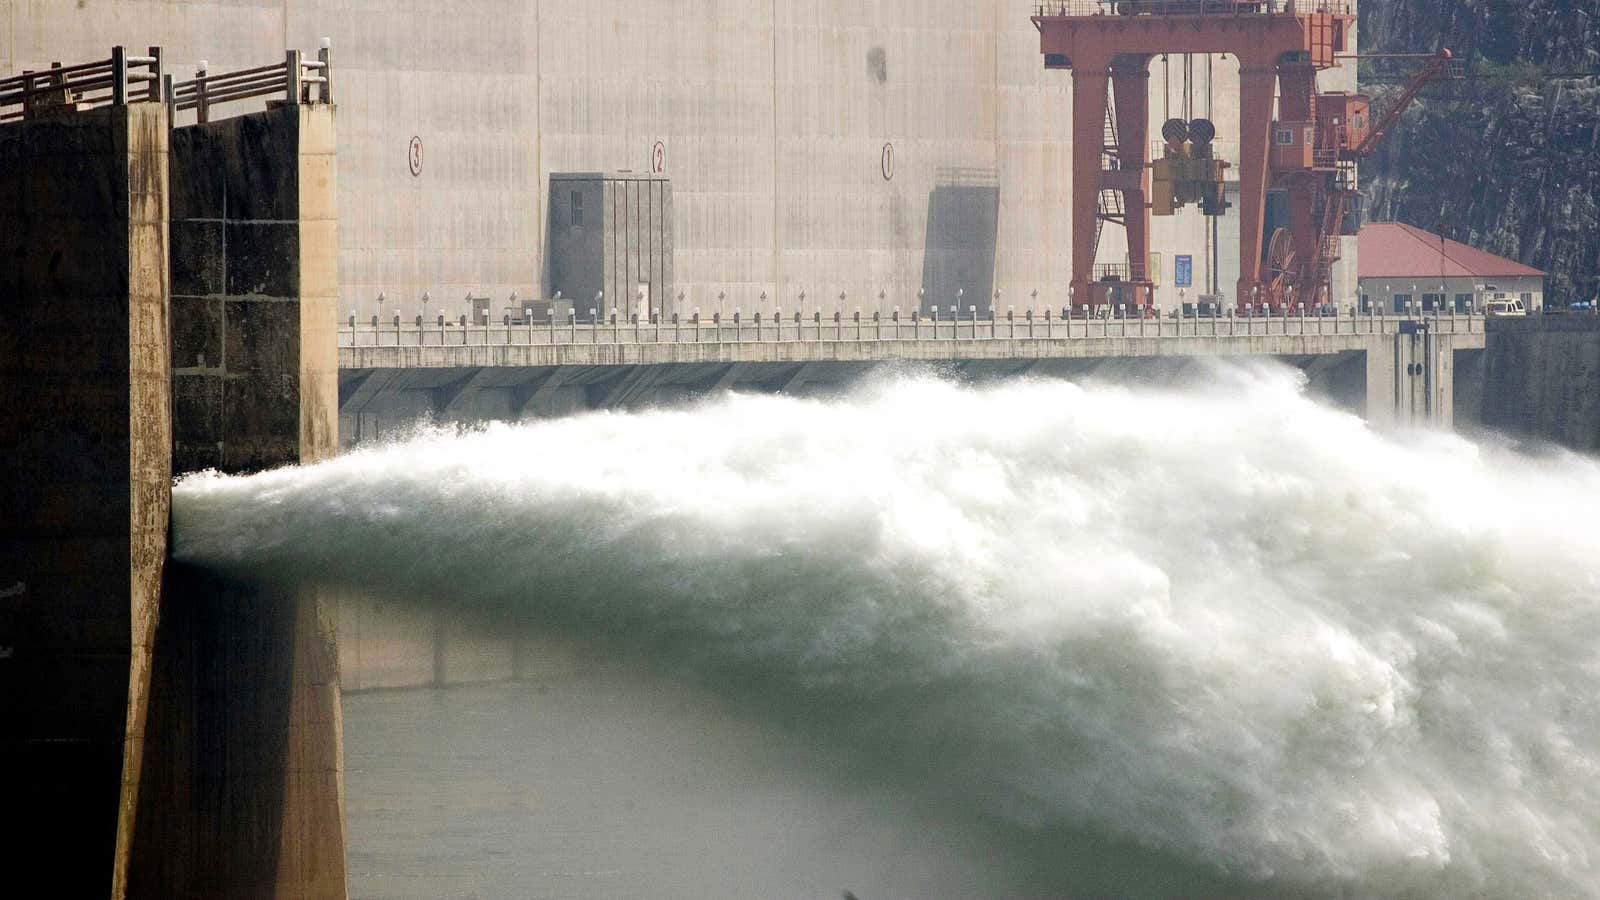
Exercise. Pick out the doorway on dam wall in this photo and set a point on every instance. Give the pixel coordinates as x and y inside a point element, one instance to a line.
<point>609,242</point>
<point>959,250</point>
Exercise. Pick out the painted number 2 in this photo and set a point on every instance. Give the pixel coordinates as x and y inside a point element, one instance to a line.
<point>658,158</point>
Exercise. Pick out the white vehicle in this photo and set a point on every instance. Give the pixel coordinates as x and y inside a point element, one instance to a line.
<point>1504,308</point>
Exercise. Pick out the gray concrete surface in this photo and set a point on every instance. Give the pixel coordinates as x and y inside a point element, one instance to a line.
<point>1542,380</point>
<point>85,491</point>
<point>773,117</point>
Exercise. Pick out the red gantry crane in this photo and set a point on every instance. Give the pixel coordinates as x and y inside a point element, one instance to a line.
<point>1308,150</point>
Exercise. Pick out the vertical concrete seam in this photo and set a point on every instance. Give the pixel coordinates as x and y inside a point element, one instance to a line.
<point>777,170</point>
<point>541,213</point>
<point>222,302</point>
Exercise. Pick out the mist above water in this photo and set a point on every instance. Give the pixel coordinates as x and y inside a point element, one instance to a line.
<point>1220,621</point>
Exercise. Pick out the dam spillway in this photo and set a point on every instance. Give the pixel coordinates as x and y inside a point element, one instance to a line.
<point>227,233</point>
<point>1048,603</point>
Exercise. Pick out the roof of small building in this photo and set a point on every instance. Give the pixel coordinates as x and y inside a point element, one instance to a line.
<point>1398,250</point>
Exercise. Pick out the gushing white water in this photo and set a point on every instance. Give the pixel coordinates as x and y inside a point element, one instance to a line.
<point>1223,621</point>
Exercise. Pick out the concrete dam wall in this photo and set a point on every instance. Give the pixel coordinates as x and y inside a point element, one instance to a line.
<point>827,146</point>
<point>1541,380</point>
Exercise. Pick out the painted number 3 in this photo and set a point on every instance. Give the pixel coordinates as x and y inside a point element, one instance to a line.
<point>414,155</point>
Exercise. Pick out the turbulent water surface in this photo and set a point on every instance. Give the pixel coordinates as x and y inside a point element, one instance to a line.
<point>1220,624</point>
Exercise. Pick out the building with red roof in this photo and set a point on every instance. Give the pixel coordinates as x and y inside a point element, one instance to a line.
<point>1399,265</point>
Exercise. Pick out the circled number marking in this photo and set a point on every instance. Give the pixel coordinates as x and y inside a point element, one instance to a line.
<point>887,162</point>
<point>658,158</point>
<point>414,156</point>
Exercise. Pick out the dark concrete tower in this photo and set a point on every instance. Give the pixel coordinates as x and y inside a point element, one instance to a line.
<point>85,489</point>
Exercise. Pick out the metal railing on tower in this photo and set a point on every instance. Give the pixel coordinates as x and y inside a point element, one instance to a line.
<point>296,80</point>
<point>62,89</point>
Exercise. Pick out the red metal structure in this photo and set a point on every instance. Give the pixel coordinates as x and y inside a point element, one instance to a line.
<point>1308,151</point>
<point>1314,161</point>
<point>1280,46</point>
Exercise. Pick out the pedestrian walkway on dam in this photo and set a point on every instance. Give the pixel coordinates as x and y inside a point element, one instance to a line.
<point>855,328</point>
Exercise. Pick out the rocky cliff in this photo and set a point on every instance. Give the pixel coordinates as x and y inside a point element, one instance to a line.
<point>1508,159</point>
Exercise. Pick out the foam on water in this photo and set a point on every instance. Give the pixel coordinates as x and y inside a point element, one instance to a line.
<point>1220,620</point>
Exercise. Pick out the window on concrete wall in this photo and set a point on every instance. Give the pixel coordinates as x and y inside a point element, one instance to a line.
<point>577,209</point>
<point>1366,303</point>
<point>1463,302</point>
<point>1401,302</point>
<point>1527,300</point>
<point>1432,302</point>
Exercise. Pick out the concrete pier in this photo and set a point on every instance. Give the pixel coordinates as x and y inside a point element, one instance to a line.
<point>85,490</point>
<point>245,796</point>
<point>1411,376</point>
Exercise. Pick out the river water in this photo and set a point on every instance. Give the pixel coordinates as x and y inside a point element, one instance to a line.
<point>933,639</point>
<point>610,782</point>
